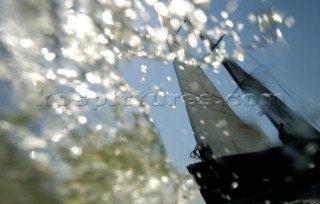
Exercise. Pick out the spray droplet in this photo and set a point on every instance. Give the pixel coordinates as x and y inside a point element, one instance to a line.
<point>224,14</point>
<point>82,120</point>
<point>289,21</point>
<point>234,185</point>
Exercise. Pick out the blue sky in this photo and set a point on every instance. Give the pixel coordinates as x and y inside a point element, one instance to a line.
<point>294,62</point>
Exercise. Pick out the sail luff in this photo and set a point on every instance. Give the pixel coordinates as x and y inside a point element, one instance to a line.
<point>211,118</point>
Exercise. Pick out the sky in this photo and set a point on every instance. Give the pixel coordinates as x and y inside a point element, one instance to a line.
<point>294,61</point>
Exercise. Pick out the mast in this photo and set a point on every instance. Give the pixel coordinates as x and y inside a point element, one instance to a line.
<point>212,120</point>
<point>281,116</point>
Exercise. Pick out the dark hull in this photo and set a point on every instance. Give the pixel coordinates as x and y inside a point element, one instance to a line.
<point>280,174</point>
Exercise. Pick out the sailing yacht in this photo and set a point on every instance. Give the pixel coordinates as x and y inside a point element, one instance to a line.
<point>238,164</point>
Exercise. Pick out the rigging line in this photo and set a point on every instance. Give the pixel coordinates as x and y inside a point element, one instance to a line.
<point>212,46</point>
<point>254,60</point>
<point>249,48</point>
<point>202,36</point>
<point>314,122</point>
<point>287,89</point>
<point>284,88</point>
<point>177,31</point>
<point>235,146</point>
<point>241,83</point>
<point>217,43</point>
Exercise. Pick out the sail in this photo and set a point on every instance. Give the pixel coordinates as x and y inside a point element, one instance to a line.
<point>211,119</point>
<point>277,111</point>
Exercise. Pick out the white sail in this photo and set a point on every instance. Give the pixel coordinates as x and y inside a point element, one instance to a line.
<point>216,124</point>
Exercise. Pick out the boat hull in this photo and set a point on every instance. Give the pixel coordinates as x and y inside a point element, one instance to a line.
<point>287,173</point>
